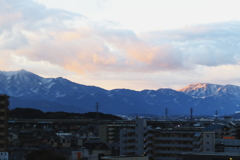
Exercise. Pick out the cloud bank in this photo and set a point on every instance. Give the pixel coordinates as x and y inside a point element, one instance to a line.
<point>75,43</point>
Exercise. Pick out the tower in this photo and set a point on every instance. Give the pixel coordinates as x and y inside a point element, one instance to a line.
<point>166,113</point>
<point>191,112</point>
<point>216,114</point>
<point>97,114</point>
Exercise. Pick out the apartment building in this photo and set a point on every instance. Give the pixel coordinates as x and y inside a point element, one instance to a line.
<point>165,143</point>
<point>109,133</point>
<point>132,140</point>
<point>225,130</point>
<point>4,103</point>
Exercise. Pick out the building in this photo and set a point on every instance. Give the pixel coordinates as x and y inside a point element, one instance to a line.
<point>169,143</point>
<point>4,103</point>
<point>228,145</point>
<point>65,141</point>
<point>109,133</point>
<point>132,140</point>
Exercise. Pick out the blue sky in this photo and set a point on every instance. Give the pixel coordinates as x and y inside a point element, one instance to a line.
<point>135,44</point>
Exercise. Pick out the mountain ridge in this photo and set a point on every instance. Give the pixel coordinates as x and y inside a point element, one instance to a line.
<point>207,89</point>
<point>62,94</point>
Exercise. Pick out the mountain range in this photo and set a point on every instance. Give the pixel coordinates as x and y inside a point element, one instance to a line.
<point>28,90</point>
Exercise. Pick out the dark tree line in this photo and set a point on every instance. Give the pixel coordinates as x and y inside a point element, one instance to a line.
<point>29,113</point>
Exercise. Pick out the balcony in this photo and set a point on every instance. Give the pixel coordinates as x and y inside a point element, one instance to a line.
<point>111,136</point>
<point>197,149</point>
<point>149,154</point>
<point>175,138</point>
<point>170,151</point>
<point>131,143</point>
<point>174,145</point>
<point>111,129</point>
<point>148,142</point>
<point>148,135</point>
<point>130,150</point>
<point>133,135</point>
<point>148,149</point>
<point>167,158</point>
<point>197,142</point>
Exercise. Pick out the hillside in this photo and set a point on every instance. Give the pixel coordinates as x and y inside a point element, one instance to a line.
<point>28,90</point>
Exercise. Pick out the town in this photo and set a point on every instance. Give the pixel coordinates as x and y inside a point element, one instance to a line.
<point>119,139</point>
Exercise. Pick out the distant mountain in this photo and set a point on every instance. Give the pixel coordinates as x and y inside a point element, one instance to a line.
<point>210,97</point>
<point>28,90</point>
<point>202,90</point>
<point>26,85</point>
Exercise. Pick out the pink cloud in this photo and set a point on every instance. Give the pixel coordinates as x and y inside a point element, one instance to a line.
<point>65,39</point>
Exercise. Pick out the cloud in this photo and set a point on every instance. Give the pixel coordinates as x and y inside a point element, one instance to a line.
<point>5,60</point>
<point>71,41</point>
<point>207,45</point>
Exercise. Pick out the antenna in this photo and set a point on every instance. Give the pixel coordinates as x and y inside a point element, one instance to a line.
<point>136,116</point>
<point>216,114</point>
<point>97,115</point>
<point>166,113</point>
<point>191,111</point>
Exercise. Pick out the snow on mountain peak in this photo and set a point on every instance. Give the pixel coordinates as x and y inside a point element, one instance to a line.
<point>13,73</point>
<point>194,86</point>
<point>207,89</point>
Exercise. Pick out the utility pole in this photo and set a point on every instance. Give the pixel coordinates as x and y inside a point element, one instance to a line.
<point>97,115</point>
<point>216,114</point>
<point>191,111</point>
<point>166,113</point>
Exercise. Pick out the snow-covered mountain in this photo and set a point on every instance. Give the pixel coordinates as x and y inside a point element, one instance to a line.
<point>224,98</point>
<point>29,90</point>
<point>202,90</point>
<point>26,85</point>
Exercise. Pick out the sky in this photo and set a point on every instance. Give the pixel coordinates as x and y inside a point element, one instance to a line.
<point>132,44</point>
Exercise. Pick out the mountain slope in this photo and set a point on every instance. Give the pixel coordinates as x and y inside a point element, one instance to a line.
<point>26,85</point>
<point>210,97</point>
<point>202,90</point>
<point>58,94</point>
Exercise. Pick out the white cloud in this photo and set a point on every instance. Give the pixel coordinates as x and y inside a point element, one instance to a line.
<point>37,36</point>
